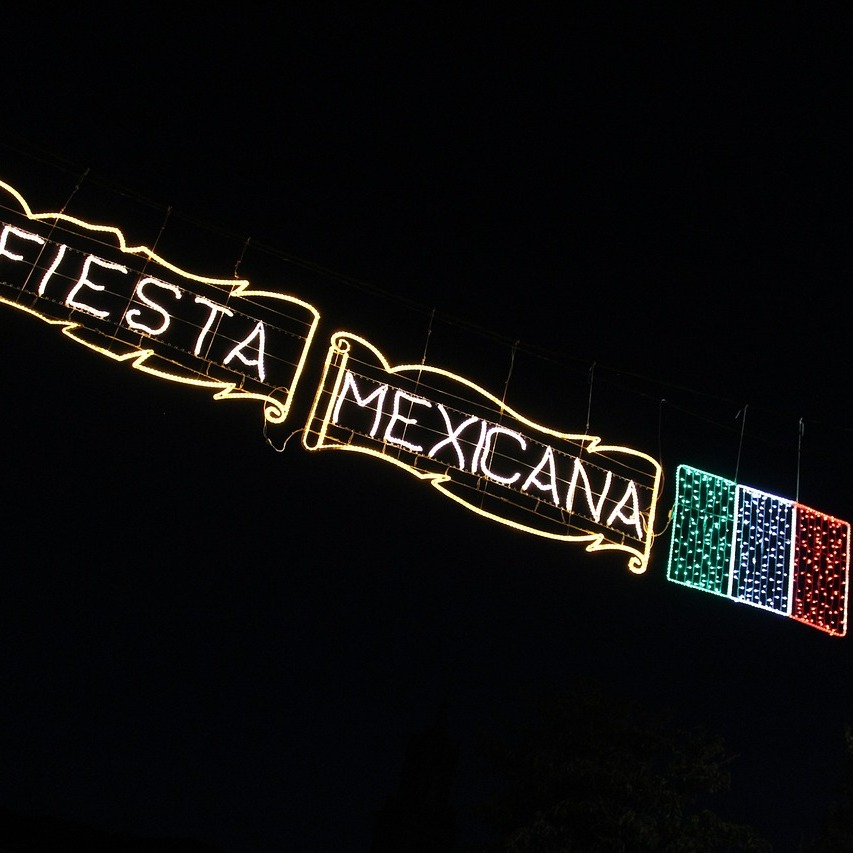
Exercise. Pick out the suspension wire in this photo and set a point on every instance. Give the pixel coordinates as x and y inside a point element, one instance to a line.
<point>509,373</point>
<point>660,461</point>
<point>240,259</point>
<point>230,291</point>
<point>429,332</point>
<point>590,378</point>
<point>85,174</point>
<point>74,191</point>
<point>56,223</point>
<point>159,235</point>
<point>801,430</point>
<point>501,412</point>
<point>742,430</point>
<point>147,256</point>
<point>423,361</point>
<point>322,270</point>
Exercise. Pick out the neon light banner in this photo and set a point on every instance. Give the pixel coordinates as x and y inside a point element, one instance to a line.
<point>129,304</point>
<point>759,549</point>
<point>477,451</point>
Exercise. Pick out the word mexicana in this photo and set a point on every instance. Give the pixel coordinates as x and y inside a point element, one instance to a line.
<point>570,487</point>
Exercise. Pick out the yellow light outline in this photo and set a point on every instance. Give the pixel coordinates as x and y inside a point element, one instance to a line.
<point>316,437</point>
<point>275,411</point>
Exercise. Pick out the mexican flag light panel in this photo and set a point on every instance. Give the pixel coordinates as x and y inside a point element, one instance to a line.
<point>759,549</point>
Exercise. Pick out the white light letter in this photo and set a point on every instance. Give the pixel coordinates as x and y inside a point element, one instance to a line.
<point>452,436</point>
<point>570,495</point>
<point>396,416</point>
<point>507,481</point>
<point>214,308</point>
<point>52,268</point>
<point>547,459</point>
<point>349,382</point>
<point>24,235</point>
<point>634,519</point>
<point>131,314</point>
<point>257,332</point>
<point>478,450</point>
<point>84,281</point>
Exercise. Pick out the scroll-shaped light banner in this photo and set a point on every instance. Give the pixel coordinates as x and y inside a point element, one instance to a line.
<point>479,452</point>
<point>759,549</point>
<point>129,304</point>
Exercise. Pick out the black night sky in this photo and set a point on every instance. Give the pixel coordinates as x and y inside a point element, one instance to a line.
<point>628,218</point>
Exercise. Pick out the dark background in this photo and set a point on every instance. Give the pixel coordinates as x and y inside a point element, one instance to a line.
<point>632,219</point>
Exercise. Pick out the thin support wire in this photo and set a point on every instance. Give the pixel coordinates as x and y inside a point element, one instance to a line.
<point>423,360</point>
<point>74,191</point>
<point>660,461</point>
<point>429,332</point>
<point>509,374</point>
<point>503,403</point>
<point>284,444</point>
<point>148,261</point>
<point>159,235</point>
<point>802,429</point>
<point>54,226</point>
<point>589,401</point>
<point>742,430</point>
<point>240,259</point>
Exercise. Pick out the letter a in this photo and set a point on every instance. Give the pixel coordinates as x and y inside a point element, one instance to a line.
<point>257,332</point>
<point>633,520</point>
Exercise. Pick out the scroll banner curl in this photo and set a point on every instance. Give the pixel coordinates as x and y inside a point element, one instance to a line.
<point>129,304</point>
<point>476,450</point>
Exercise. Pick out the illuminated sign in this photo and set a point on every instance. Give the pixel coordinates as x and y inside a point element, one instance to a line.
<point>240,342</point>
<point>759,549</point>
<point>476,450</point>
<point>131,305</point>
